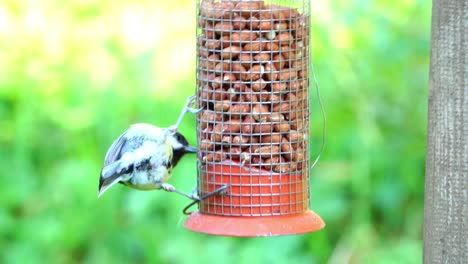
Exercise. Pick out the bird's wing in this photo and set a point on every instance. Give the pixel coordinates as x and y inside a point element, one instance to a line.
<point>114,152</point>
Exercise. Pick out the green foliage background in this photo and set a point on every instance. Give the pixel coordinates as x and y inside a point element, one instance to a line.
<point>74,74</point>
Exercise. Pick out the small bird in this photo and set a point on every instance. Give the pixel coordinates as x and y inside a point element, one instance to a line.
<point>144,156</point>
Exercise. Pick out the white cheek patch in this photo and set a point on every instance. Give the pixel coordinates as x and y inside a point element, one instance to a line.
<point>175,144</point>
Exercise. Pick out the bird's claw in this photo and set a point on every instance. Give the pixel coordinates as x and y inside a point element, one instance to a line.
<point>167,187</point>
<point>194,110</point>
<point>189,105</point>
<point>191,100</point>
<point>195,197</point>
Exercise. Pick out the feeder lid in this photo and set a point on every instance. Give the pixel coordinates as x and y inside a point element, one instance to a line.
<point>259,226</point>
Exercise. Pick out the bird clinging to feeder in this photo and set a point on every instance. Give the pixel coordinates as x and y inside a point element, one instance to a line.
<point>144,156</point>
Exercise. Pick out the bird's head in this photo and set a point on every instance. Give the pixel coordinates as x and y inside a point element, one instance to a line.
<point>180,147</point>
<point>180,144</point>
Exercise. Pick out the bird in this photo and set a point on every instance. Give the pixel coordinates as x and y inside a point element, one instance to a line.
<point>144,155</point>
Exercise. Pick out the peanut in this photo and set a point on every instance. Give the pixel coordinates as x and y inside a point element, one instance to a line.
<point>282,168</point>
<point>223,28</point>
<point>287,74</point>
<point>253,46</point>
<point>222,106</point>
<point>243,36</point>
<point>212,44</point>
<point>246,60</point>
<point>217,156</point>
<point>286,149</point>
<point>261,128</point>
<point>248,8</point>
<point>232,126</point>
<point>239,110</point>
<point>276,117</point>
<point>298,155</point>
<point>253,74</point>
<point>238,23</point>
<point>284,38</point>
<point>252,23</point>
<point>206,145</point>
<point>260,112</point>
<point>271,46</point>
<point>235,153</point>
<point>295,136</point>
<point>209,117</point>
<point>262,57</point>
<point>240,140</point>
<point>269,163</point>
<point>283,107</point>
<point>230,52</point>
<point>281,127</point>
<point>247,124</point>
<point>266,25</point>
<point>258,85</point>
<point>279,87</point>
<point>278,62</point>
<point>274,98</point>
<point>272,138</point>
<point>270,72</point>
<point>222,66</point>
<point>268,151</point>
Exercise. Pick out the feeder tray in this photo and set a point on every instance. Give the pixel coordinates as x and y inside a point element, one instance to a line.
<point>253,133</point>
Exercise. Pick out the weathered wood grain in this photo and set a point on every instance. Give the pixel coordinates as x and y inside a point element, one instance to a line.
<point>446,194</point>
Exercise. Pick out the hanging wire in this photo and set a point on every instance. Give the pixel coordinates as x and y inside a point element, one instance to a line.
<point>324,116</point>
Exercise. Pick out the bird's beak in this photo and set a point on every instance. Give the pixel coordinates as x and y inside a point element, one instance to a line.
<point>190,149</point>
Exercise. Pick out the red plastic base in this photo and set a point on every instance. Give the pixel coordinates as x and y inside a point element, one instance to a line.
<point>254,226</point>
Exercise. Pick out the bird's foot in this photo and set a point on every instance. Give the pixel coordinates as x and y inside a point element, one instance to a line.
<point>195,194</point>
<point>189,105</point>
<point>169,188</point>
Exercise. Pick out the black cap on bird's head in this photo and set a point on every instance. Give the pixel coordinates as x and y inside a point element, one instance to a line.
<point>180,147</point>
<point>180,143</point>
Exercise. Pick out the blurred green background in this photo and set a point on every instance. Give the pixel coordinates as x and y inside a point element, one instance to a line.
<point>74,74</point>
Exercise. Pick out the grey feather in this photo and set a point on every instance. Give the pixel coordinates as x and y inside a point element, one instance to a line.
<point>115,151</point>
<point>111,169</point>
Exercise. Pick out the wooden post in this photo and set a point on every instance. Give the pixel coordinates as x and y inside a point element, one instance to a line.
<point>446,194</point>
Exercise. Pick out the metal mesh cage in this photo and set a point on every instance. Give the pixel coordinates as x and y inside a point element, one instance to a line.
<point>252,75</point>
<point>253,84</point>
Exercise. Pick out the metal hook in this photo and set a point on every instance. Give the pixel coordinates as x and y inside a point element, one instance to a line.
<point>218,191</point>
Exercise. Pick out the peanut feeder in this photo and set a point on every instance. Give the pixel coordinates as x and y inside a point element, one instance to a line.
<point>253,133</point>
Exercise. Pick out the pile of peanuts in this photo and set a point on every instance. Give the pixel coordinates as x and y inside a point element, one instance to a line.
<point>252,82</point>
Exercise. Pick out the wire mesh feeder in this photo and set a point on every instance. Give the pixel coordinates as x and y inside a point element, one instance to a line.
<point>253,134</point>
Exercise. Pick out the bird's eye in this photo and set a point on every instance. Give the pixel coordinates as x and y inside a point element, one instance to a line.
<point>178,137</point>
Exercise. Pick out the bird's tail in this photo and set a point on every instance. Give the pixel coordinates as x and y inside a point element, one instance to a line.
<point>110,175</point>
